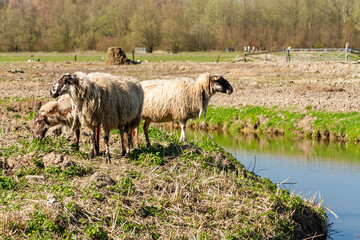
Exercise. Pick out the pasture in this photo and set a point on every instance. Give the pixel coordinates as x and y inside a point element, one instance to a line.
<point>170,189</point>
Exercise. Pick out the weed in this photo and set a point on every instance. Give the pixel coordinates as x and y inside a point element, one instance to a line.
<point>41,226</point>
<point>123,187</point>
<point>95,232</point>
<point>6,183</point>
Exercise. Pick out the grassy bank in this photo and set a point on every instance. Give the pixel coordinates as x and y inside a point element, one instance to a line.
<point>312,123</point>
<point>168,191</point>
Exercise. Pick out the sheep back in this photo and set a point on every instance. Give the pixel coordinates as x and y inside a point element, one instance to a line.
<point>109,101</point>
<point>168,100</point>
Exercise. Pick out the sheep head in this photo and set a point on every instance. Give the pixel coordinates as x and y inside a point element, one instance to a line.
<point>220,84</point>
<point>40,126</point>
<point>63,85</point>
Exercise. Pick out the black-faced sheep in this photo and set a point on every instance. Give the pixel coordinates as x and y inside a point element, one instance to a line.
<point>54,113</point>
<point>105,101</point>
<point>180,99</point>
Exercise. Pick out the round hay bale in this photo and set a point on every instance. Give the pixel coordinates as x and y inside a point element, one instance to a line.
<point>116,56</point>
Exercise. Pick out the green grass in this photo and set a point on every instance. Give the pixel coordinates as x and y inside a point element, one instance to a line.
<point>96,56</point>
<point>151,57</point>
<point>52,56</point>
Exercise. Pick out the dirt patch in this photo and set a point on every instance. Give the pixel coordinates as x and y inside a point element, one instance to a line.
<point>60,160</point>
<point>306,124</point>
<point>314,88</point>
<point>12,164</point>
<point>101,180</point>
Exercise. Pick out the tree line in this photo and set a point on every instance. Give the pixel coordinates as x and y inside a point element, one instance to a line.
<point>177,25</point>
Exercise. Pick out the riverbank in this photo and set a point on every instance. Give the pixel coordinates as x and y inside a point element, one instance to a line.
<point>311,123</point>
<point>170,190</point>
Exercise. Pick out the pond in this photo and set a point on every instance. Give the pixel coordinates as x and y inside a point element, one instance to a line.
<point>330,172</point>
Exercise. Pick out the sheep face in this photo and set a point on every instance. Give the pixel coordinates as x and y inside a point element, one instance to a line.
<point>63,84</point>
<point>220,84</point>
<point>40,126</point>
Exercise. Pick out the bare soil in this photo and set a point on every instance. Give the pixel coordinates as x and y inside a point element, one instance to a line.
<point>326,86</point>
<point>323,85</point>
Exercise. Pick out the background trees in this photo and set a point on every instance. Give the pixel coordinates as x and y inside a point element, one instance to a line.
<point>177,25</point>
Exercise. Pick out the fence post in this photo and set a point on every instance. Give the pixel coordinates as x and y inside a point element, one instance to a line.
<point>287,54</point>
<point>133,55</point>
<point>346,52</point>
<point>75,58</point>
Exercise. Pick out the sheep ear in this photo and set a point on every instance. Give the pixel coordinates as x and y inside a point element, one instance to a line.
<point>72,79</point>
<point>46,120</point>
<point>214,77</point>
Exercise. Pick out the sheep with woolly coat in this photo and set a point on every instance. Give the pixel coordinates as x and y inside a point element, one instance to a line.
<point>180,99</point>
<point>54,113</point>
<point>103,101</point>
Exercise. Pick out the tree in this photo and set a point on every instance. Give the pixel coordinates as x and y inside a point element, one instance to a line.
<point>145,25</point>
<point>173,29</point>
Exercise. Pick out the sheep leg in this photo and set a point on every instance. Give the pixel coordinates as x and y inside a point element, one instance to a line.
<point>135,135</point>
<point>97,140</point>
<point>93,139</point>
<point>129,136</point>
<point>77,138</point>
<point>182,135</point>
<point>122,141</point>
<point>106,141</point>
<point>146,128</point>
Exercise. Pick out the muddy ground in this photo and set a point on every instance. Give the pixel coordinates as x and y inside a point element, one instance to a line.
<point>297,85</point>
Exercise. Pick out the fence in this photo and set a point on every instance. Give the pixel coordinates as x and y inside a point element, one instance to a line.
<point>140,50</point>
<point>319,54</point>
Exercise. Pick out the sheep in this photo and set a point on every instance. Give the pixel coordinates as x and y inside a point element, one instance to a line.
<point>54,113</point>
<point>103,100</point>
<point>180,99</point>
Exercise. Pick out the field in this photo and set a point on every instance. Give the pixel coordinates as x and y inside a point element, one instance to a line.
<point>147,191</point>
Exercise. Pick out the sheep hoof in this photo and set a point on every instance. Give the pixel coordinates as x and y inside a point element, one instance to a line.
<point>126,155</point>
<point>108,160</point>
<point>75,146</point>
<point>123,153</point>
<point>91,156</point>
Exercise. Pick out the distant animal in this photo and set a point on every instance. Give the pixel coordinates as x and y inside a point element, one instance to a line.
<point>103,101</point>
<point>54,113</point>
<point>180,99</point>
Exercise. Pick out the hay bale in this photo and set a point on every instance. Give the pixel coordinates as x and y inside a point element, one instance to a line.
<point>116,56</point>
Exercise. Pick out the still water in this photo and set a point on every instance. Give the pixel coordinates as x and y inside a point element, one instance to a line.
<point>328,171</point>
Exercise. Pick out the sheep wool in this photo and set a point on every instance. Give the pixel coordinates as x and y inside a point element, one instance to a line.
<point>103,100</point>
<point>180,99</point>
<point>54,113</point>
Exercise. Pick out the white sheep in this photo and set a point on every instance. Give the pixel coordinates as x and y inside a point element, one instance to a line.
<point>103,101</point>
<point>180,99</point>
<point>54,113</point>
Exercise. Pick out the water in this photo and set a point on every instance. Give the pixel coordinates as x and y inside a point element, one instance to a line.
<point>328,171</point>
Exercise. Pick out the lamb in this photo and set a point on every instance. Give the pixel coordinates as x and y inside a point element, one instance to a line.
<point>103,101</point>
<point>180,99</point>
<point>54,113</point>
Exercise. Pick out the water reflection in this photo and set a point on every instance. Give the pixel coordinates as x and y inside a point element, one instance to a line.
<point>329,170</point>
